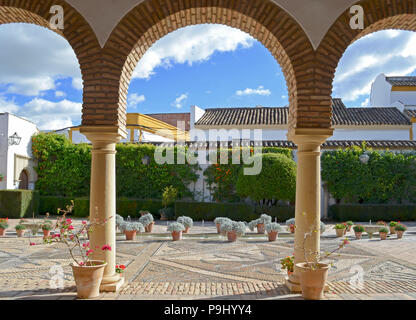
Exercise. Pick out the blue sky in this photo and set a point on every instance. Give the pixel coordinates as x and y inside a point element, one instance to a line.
<point>205,65</point>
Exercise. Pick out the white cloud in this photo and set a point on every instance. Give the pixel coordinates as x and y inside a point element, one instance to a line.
<point>365,103</point>
<point>33,58</point>
<point>134,99</point>
<point>8,106</point>
<point>77,83</point>
<point>391,52</point>
<point>60,94</point>
<point>189,45</point>
<point>259,91</point>
<point>178,103</point>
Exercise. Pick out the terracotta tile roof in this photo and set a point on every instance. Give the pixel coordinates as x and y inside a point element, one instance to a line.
<point>402,81</point>
<point>341,115</point>
<point>330,144</point>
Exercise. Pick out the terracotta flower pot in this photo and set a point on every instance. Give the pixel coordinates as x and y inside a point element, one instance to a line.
<point>20,233</point>
<point>163,217</point>
<point>313,281</point>
<point>46,233</point>
<point>289,273</point>
<point>399,234</point>
<point>349,228</point>
<point>260,228</point>
<point>340,232</point>
<point>392,230</point>
<point>130,235</point>
<point>176,235</point>
<point>218,228</point>
<point>186,230</point>
<point>232,236</point>
<point>88,279</point>
<point>2,231</point>
<point>292,228</point>
<point>358,235</point>
<point>383,235</point>
<point>149,227</point>
<point>272,235</point>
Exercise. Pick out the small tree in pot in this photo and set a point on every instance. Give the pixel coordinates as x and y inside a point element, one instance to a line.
<point>358,230</point>
<point>313,273</point>
<point>20,230</point>
<point>176,228</point>
<point>187,222</point>
<point>272,230</point>
<point>147,221</point>
<point>130,229</point>
<point>233,229</point>
<point>400,229</point>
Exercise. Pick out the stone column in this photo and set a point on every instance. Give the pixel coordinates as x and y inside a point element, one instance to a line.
<point>103,199</point>
<point>308,195</point>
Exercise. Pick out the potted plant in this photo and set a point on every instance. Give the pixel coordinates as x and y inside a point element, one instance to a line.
<point>392,226</point>
<point>219,221</point>
<point>262,221</point>
<point>322,227</point>
<point>340,229</point>
<point>383,233</point>
<point>143,212</point>
<point>187,222</point>
<point>169,196</point>
<point>313,274</point>
<point>381,223</point>
<point>119,221</point>
<point>400,229</point>
<point>349,225</point>
<point>291,225</point>
<point>233,229</point>
<point>358,230</point>
<point>176,228</point>
<point>1,177</point>
<point>4,224</point>
<point>147,221</point>
<point>130,229</point>
<point>87,273</point>
<point>20,230</point>
<point>120,269</point>
<point>272,230</point>
<point>288,264</point>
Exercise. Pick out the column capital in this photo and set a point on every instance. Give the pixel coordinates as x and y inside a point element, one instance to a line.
<point>107,134</point>
<point>309,136</point>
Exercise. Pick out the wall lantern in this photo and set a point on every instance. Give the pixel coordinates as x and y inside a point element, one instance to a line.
<point>14,140</point>
<point>364,158</point>
<point>146,160</point>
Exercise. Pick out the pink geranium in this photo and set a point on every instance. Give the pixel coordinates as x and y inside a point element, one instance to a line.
<point>106,248</point>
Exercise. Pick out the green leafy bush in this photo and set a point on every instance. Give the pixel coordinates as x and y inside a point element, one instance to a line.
<point>17,204</point>
<point>373,212</point>
<point>277,179</point>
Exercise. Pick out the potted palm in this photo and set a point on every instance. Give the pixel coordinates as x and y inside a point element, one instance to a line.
<point>130,229</point>
<point>383,233</point>
<point>187,222</point>
<point>176,228</point>
<point>392,226</point>
<point>169,196</point>
<point>358,230</point>
<point>20,230</point>
<point>272,230</point>
<point>313,272</point>
<point>219,221</point>
<point>87,272</point>
<point>340,229</point>
<point>400,229</point>
<point>288,264</point>
<point>4,224</point>
<point>147,221</point>
<point>233,229</point>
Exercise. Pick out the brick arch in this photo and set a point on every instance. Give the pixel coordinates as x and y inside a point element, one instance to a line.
<point>76,31</point>
<point>262,19</point>
<point>378,15</point>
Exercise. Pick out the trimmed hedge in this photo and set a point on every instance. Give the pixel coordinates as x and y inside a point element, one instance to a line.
<point>51,204</point>
<point>373,212</point>
<point>17,204</point>
<point>235,211</point>
<point>131,207</point>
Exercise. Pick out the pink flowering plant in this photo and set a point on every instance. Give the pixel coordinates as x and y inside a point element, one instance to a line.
<point>75,240</point>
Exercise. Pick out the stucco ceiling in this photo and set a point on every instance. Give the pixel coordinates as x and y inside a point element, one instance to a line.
<point>315,16</point>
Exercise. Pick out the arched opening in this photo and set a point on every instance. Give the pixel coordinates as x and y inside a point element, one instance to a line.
<point>24,180</point>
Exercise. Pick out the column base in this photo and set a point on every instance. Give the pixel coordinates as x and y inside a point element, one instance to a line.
<point>296,288</point>
<point>112,286</point>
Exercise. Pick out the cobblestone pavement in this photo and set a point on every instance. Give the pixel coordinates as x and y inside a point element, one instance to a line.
<point>206,266</point>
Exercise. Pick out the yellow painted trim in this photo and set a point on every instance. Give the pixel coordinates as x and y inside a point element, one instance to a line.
<point>411,134</point>
<point>403,88</point>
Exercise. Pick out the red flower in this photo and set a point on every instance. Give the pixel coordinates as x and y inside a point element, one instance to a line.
<point>106,247</point>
